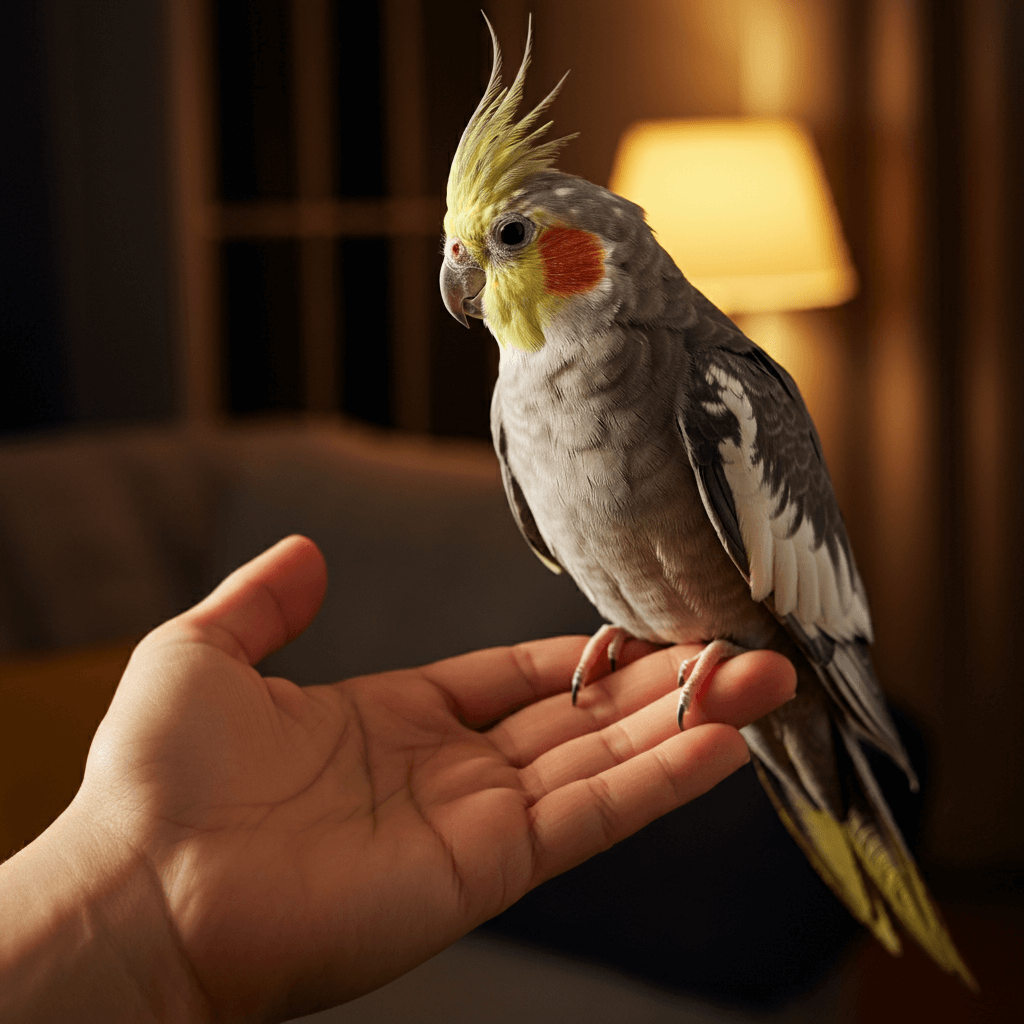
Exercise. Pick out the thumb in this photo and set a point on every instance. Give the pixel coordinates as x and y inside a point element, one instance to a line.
<point>264,603</point>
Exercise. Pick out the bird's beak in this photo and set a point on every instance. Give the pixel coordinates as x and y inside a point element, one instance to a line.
<point>462,287</point>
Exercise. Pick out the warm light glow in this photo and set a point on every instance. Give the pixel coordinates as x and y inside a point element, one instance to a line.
<point>742,206</point>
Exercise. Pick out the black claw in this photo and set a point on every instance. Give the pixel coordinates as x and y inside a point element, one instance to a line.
<point>684,706</point>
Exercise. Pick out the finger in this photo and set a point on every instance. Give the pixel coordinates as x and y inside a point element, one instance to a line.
<point>740,691</point>
<point>578,820</point>
<point>486,685</point>
<point>540,727</point>
<point>594,752</point>
<point>744,689</point>
<point>265,603</point>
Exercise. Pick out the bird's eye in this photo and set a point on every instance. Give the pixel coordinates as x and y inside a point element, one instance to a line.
<point>514,232</point>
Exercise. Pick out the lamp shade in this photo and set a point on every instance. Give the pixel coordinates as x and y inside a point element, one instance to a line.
<point>742,206</point>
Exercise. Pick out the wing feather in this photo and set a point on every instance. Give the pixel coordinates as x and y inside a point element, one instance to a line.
<point>516,499</point>
<point>745,424</point>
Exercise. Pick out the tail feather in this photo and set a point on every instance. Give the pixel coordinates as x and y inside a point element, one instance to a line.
<point>827,846</point>
<point>891,867</point>
<point>844,826</point>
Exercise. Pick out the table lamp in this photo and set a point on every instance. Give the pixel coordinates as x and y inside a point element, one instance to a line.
<point>742,206</point>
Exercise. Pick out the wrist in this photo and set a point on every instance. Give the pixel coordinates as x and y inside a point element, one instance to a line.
<point>84,933</point>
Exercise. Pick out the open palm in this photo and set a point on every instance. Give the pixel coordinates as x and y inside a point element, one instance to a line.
<point>312,844</point>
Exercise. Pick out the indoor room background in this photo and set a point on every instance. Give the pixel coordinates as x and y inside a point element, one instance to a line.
<point>222,220</point>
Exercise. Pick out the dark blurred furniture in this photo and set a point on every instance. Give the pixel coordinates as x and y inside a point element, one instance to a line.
<point>106,534</point>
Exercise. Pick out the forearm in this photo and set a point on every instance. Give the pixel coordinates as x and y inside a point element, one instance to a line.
<point>83,936</point>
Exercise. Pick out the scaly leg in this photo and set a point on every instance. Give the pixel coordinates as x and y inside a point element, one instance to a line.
<point>607,638</point>
<point>694,672</point>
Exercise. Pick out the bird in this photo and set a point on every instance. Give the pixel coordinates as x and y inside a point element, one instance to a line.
<point>669,466</point>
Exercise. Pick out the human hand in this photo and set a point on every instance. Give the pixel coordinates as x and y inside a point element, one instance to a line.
<point>293,848</point>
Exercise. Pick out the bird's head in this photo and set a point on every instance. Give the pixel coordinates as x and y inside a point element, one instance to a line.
<point>522,241</point>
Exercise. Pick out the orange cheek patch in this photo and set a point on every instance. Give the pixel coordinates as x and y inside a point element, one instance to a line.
<point>573,260</point>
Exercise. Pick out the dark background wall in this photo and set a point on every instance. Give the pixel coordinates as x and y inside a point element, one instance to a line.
<point>91,293</point>
<point>33,384</point>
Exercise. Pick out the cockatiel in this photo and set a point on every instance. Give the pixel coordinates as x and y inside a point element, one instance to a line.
<point>669,465</point>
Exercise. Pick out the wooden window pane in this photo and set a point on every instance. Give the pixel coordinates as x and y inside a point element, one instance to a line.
<point>252,41</point>
<point>261,326</point>
<point>365,359</point>
<point>358,131</point>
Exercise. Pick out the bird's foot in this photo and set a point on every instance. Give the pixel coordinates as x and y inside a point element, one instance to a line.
<point>694,672</point>
<point>607,639</point>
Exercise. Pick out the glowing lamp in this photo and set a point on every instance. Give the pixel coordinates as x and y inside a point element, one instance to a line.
<point>743,207</point>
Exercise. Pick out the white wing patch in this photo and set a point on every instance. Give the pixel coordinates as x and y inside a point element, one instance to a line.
<point>784,562</point>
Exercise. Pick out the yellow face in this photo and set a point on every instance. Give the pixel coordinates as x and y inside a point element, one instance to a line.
<point>533,264</point>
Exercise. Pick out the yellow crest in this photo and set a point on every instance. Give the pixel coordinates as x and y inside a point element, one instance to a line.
<point>495,154</point>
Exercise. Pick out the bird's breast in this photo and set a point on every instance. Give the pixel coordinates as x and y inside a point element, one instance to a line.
<point>611,489</point>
